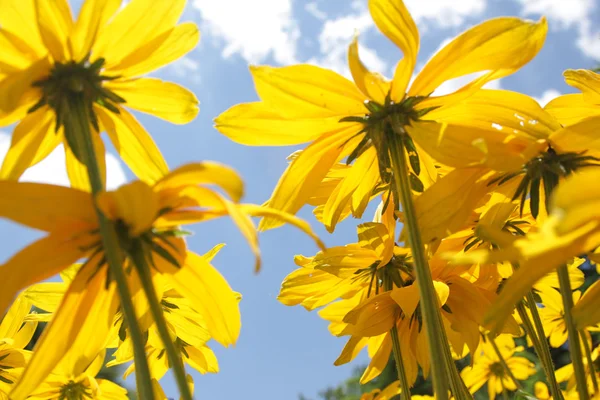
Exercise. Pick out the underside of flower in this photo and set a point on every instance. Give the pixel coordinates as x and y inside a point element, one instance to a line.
<point>381,121</point>
<point>545,169</point>
<point>74,391</point>
<point>71,91</point>
<point>512,226</point>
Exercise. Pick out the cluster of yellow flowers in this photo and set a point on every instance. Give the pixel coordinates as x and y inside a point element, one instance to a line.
<point>495,196</point>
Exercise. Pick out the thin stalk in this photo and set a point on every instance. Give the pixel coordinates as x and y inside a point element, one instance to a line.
<point>405,393</point>
<point>590,362</point>
<point>429,303</point>
<point>542,350</point>
<point>173,355</point>
<point>574,345</point>
<point>457,385</point>
<point>504,364</point>
<point>114,256</point>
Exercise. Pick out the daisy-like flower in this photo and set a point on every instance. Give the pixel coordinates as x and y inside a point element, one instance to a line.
<point>79,383</point>
<point>487,367</point>
<point>147,220</point>
<point>57,75</point>
<point>355,120</point>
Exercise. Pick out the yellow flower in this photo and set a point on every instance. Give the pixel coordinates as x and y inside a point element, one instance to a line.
<point>54,69</point>
<point>67,382</point>
<point>570,109</point>
<point>147,220</point>
<point>566,374</point>
<point>572,229</point>
<point>487,367</point>
<point>345,120</point>
<point>552,315</point>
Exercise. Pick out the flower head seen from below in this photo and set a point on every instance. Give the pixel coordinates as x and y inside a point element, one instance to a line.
<point>356,120</point>
<point>148,220</point>
<point>60,78</point>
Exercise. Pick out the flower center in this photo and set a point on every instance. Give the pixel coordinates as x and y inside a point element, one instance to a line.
<point>381,121</point>
<point>71,91</point>
<point>497,369</point>
<point>545,169</point>
<point>74,391</point>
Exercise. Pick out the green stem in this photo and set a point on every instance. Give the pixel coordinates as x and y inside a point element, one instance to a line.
<point>457,385</point>
<point>173,354</point>
<point>590,361</point>
<point>574,345</point>
<point>428,298</point>
<point>405,393</point>
<point>112,250</point>
<point>504,364</point>
<point>542,350</point>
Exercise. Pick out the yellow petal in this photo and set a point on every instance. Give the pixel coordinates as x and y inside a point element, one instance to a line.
<point>501,109</point>
<point>586,81</point>
<point>76,334</point>
<point>394,21</point>
<point>33,140</point>
<point>255,124</point>
<point>46,207</point>
<point>46,296</point>
<point>377,236</point>
<point>445,207</point>
<point>77,171</point>
<point>211,295</point>
<point>134,144</point>
<point>353,346</point>
<point>307,91</point>
<point>365,166</point>
<point>202,359</point>
<point>372,84</point>
<point>586,312</point>
<point>263,211</point>
<point>373,317</point>
<point>136,24</point>
<point>19,18</point>
<point>206,172</point>
<point>135,204</point>
<point>42,259</point>
<point>379,359</point>
<point>92,18</point>
<point>14,317</point>
<point>462,146</point>
<point>582,136</point>
<point>157,52</point>
<point>165,100</point>
<point>305,173</point>
<point>574,206</point>
<point>571,108</point>
<point>55,24</point>
<point>500,46</point>
<point>16,53</point>
<point>16,90</point>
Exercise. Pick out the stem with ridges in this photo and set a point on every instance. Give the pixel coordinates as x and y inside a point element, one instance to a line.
<point>173,355</point>
<point>590,361</point>
<point>574,345</point>
<point>114,257</point>
<point>429,302</point>
<point>405,393</point>
<point>541,349</point>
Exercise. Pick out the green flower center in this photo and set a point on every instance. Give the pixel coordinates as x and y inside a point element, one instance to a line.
<point>497,369</point>
<point>74,391</point>
<point>545,169</point>
<point>381,121</point>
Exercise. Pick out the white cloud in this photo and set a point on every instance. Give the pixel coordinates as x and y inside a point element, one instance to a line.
<point>254,29</point>
<point>453,85</point>
<point>444,13</point>
<point>52,169</point>
<point>334,39</point>
<point>547,96</point>
<point>186,67</point>
<point>313,9</point>
<point>566,14</point>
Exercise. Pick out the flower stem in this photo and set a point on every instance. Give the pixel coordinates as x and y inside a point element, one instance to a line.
<point>173,354</point>
<point>405,393</point>
<point>429,302</point>
<point>574,345</point>
<point>590,362</point>
<point>540,346</point>
<point>112,249</point>
<point>504,364</point>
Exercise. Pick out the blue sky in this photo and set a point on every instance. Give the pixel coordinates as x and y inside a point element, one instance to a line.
<point>284,351</point>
